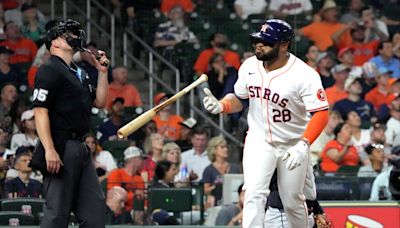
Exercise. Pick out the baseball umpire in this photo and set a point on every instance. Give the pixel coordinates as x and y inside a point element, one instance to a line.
<point>287,112</point>
<point>62,100</point>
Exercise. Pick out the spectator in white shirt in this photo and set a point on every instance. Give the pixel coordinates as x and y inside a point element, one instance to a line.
<point>282,8</point>
<point>29,136</point>
<point>103,160</point>
<point>196,159</point>
<point>244,8</point>
<point>392,132</point>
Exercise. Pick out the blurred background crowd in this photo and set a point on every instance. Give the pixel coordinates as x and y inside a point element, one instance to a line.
<point>354,45</point>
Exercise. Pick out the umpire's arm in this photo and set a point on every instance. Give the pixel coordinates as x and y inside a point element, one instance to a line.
<point>102,81</point>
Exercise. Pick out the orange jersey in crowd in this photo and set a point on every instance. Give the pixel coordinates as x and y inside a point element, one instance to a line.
<point>350,159</point>
<point>171,128</point>
<point>25,50</point>
<point>362,52</point>
<point>133,184</point>
<point>377,99</point>
<point>31,75</point>
<point>201,66</point>
<point>128,92</point>
<point>335,94</point>
<point>320,33</point>
<point>167,5</point>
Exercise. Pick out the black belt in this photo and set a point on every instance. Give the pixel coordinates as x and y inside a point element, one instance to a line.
<point>68,135</point>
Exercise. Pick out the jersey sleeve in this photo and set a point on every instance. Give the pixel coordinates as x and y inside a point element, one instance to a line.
<point>47,83</point>
<point>312,93</point>
<point>240,86</point>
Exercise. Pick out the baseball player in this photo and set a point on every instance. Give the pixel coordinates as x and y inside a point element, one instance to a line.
<point>287,112</point>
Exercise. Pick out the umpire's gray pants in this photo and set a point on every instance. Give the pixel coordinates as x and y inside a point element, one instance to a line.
<point>75,189</point>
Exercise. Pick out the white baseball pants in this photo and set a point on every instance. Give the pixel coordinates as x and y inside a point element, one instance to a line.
<point>259,162</point>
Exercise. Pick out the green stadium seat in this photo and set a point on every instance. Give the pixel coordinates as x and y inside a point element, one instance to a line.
<point>15,218</point>
<point>391,11</point>
<point>16,204</point>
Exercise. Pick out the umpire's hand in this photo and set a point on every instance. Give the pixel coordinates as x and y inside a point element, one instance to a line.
<point>53,161</point>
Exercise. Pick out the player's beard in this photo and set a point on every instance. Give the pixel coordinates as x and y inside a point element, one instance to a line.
<point>269,56</point>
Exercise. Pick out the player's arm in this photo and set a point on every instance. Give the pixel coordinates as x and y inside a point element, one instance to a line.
<point>316,125</point>
<point>102,81</point>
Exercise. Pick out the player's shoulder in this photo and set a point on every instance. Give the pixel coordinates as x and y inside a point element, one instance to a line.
<point>250,62</point>
<point>300,66</point>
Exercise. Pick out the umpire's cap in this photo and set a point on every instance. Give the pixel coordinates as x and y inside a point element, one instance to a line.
<point>273,31</point>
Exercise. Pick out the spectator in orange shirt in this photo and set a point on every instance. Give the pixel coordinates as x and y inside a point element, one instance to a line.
<point>380,95</point>
<point>363,49</point>
<point>339,152</point>
<point>167,5</point>
<point>120,88</point>
<point>25,49</point>
<point>320,32</point>
<point>219,44</point>
<point>42,56</point>
<point>168,124</point>
<point>337,92</point>
<point>128,177</point>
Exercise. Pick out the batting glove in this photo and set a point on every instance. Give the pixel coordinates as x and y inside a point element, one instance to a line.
<point>211,103</point>
<point>296,154</point>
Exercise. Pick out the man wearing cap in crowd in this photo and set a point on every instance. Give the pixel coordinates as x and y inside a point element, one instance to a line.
<point>324,64</point>
<point>337,92</point>
<point>128,178</point>
<point>320,32</point>
<point>380,188</point>
<point>185,142</point>
<point>380,95</point>
<point>9,72</point>
<point>28,136</point>
<point>363,47</point>
<point>108,129</point>
<point>392,132</point>
<point>167,123</point>
<point>354,102</point>
<point>386,59</point>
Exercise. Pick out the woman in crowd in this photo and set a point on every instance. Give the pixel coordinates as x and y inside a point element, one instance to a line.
<point>376,156</point>
<point>164,174</point>
<point>103,160</point>
<point>360,138</point>
<point>213,174</point>
<point>153,146</point>
<point>339,151</point>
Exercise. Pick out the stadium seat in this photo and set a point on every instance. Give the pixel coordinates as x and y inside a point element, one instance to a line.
<point>170,199</point>
<point>348,170</point>
<point>337,188</point>
<point>16,204</point>
<point>15,218</point>
<point>365,186</point>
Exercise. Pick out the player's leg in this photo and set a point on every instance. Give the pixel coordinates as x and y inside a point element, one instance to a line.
<point>310,190</point>
<point>90,204</point>
<point>259,164</point>
<point>291,186</point>
<point>275,218</point>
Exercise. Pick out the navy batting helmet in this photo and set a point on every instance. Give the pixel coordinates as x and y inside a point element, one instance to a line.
<point>273,31</point>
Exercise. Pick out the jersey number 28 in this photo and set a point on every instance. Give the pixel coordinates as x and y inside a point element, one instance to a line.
<point>281,115</point>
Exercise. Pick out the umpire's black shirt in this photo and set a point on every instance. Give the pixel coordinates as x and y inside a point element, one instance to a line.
<point>67,94</point>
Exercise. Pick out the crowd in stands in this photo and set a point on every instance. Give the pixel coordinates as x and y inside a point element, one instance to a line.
<point>355,48</point>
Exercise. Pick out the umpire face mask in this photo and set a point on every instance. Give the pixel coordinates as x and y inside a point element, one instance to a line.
<point>76,40</point>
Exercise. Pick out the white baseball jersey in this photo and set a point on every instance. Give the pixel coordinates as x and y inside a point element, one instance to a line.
<point>280,100</point>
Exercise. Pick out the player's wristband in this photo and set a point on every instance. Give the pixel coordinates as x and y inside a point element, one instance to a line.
<point>226,106</point>
<point>306,141</point>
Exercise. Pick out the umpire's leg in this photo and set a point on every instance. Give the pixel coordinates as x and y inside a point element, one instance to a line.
<point>59,189</point>
<point>90,204</point>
